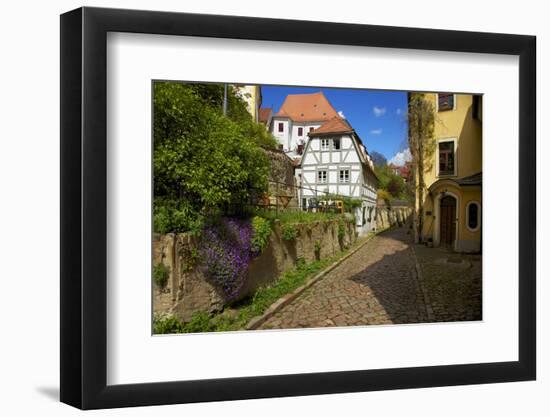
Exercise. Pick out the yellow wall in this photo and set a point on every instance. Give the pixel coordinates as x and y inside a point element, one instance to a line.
<point>460,125</point>
<point>253,97</point>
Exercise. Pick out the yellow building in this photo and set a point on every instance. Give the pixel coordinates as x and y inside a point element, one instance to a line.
<point>453,174</point>
<point>252,95</point>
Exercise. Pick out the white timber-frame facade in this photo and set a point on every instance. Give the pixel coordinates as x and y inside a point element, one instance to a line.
<point>335,162</point>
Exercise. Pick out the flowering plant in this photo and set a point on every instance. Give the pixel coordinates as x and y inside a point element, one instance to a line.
<point>226,251</point>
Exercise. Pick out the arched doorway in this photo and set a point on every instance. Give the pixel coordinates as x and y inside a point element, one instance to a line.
<point>447,221</point>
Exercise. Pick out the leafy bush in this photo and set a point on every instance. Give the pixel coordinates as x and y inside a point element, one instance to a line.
<point>393,184</point>
<point>200,322</point>
<point>296,216</point>
<point>175,216</point>
<point>160,274</point>
<point>289,231</point>
<point>349,203</point>
<point>262,231</point>
<point>166,324</point>
<point>226,249</point>
<point>384,195</point>
<point>203,161</point>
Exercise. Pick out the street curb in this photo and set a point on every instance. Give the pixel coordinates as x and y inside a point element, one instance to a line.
<point>257,321</point>
<point>420,280</point>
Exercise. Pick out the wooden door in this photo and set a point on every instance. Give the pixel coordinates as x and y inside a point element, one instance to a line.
<point>447,222</point>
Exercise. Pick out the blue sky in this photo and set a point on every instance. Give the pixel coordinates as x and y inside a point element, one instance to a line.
<point>377,116</point>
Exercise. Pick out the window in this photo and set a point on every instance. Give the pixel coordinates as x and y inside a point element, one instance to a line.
<point>281,127</point>
<point>311,129</point>
<point>445,102</point>
<point>344,175</point>
<point>336,144</point>
<point>322,177</point>
<point>472,215</point>
<point>324,144</point>
<point>300,131</point>
<point>447,158</point>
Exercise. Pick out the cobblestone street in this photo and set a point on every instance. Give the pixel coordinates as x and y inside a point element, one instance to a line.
<point>376,285</point>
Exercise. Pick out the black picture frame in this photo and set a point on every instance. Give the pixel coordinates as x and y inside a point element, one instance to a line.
<point>84,207</point>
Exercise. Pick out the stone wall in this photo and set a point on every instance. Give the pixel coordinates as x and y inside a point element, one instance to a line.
<point>388,216</point>
<point>282,191</point>
<point>187,290</point>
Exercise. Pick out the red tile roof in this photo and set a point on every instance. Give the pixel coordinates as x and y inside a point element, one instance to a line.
<point>264,114</point>
<point>334,125</point>
<point>307,108</point>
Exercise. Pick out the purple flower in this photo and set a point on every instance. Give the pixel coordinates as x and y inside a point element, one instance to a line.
<point>226,253</point>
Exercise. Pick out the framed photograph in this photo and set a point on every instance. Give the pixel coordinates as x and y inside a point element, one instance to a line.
<point>258,208</point>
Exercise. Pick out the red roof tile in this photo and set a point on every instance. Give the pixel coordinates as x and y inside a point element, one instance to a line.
<point>334,125</point>
<point>307,108</point>
<point>264,114</point>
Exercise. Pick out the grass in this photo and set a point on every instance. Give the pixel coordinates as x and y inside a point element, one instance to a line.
<point>239,314</point>
<point>299,216</point>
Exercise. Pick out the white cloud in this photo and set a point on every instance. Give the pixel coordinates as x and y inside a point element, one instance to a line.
<point>379,111</point>
<point>376,132</point>
<point>401,157</point>
<point>398,112</point>
<point>341,114</point>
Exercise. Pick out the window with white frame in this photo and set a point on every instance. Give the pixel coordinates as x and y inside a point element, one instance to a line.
<point>473,215</point>
<point>344,175</point>
<point>321,177</point>
<point>336,144</point>
<point>325,144</point>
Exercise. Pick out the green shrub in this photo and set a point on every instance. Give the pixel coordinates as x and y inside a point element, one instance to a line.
<point>160,274</point>
<point>166,324</point>
<point>203,161</point>
<point>289,231</point>
<point>200,322</point>
<point>175,215</point>
<point>317,246</point>
<point>261,232</point>
<point>341,229</point>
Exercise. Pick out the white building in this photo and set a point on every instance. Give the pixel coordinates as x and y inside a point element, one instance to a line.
<point>299,115</point>
<point>335,161</point>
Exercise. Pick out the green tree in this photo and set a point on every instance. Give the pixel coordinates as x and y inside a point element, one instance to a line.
<point>421,121</point>
<point>393,184</point>
<point>203,161</point>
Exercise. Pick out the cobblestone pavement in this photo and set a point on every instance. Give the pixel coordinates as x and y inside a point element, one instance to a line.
<point>376,285</point>
<point>452,282</point>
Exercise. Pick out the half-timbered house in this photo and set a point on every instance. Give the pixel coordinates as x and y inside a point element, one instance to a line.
<point>335,162</point>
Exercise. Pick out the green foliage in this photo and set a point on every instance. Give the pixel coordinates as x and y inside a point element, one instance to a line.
<point>261,231</point>
<point>317,246</point>
<point>297,216</point>
<point>262,299</point>
<point>175,215</point>
<point>289,231</point>
<point>203,161</point>
<point>384,195</point>
<point>200,322</point>
<point>166,324</point>
<point>349,203</point>
<point>396,186</point>
<point>393,184</point>
<point>341,230</point>
<point>160,274</point>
